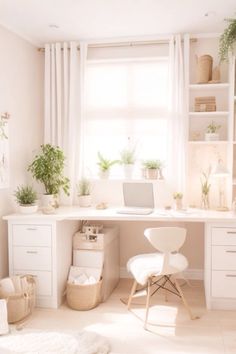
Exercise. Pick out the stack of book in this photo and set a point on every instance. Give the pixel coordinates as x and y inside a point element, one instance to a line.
<point>205,104</point>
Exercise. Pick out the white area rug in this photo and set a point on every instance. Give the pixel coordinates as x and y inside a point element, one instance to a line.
<point>54,343</point>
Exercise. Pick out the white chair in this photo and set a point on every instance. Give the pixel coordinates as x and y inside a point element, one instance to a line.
<point>158,269</point>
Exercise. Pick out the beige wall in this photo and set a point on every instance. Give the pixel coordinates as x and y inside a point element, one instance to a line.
<point>21,94</point>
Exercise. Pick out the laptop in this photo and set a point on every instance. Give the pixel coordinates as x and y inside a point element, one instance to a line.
<point>138,199</point>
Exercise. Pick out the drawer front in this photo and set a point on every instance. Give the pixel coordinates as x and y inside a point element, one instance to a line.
<point>223,236</point>
<point>31,235</point>
<point>223,284</point>
<point>43,281</point>
<point>32,258</point>
<point>224,257</point>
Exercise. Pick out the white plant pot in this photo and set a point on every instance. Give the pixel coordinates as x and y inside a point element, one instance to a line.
<point>48,200</point>
<point>151,173</point>
<point>85,200</point>
<point>128,171</point>
<point>28,209</point>
<point>211,136</point>
<point>104,174</point>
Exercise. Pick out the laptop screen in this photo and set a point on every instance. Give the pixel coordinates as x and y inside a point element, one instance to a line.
<point>138,195</point>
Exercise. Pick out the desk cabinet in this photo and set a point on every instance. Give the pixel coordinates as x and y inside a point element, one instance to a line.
<point>220,282</point>
<point>45,251</point>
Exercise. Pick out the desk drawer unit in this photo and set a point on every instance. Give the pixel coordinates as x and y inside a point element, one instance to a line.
<point>31,235</point>
<point>32,258</point>
<point>223,262</point>
<point>43,281</point>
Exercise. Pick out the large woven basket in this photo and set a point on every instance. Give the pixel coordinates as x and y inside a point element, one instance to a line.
<point>20,304</point>
<point>204,69</point>
<point>83,297</point>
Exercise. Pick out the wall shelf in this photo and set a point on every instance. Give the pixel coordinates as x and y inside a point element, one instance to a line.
<point>209,86</point>
<point>204,142</point>
<point>209,114</point>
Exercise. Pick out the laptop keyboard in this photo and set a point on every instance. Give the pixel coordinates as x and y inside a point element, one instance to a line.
<point>135,211</point>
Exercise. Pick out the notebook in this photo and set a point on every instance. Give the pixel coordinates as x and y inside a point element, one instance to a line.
<point>138,199</point>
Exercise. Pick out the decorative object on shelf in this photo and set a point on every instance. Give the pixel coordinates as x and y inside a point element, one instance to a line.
<point>227,42</point>
<point>84,195</point>
<point>127,159</point>
<point>47,168</point>
<point>26,197</point>
<point>220,172</point>
<point>101,206</point>
<point>105,165</point>
<point>215,75</point>
<point>153,169</point>
<point>178,197</point>
<point>205,104</point>
<point>4,150</point>
<point>204,69</point>
<point>205,189</point>
<point>211,133</point>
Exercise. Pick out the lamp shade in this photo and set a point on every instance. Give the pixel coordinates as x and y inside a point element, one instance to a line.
<point>220,170</point>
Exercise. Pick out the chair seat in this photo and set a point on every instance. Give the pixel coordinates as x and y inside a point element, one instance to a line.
<point>145,265</point>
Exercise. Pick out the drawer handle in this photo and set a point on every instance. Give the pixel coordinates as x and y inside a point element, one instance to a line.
<point>231,275</point>
<point>231,232</point>
<point>229,251</point>
<point>32,252</point>
<point>31,229</point>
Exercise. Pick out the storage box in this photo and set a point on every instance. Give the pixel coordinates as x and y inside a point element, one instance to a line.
<point>83,297</point>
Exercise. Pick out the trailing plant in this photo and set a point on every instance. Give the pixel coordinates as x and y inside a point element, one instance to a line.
<point>228,40</point>
<point>212,128</point>
<point>84,187</point>
<point>48,167</point>
<point>105,164</point>
<point>127,156</point>
<point>178,195</point>
<point>25,195</point>
<point>153,164</point>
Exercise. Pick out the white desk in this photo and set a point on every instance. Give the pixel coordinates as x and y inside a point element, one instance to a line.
<point>42,244</point>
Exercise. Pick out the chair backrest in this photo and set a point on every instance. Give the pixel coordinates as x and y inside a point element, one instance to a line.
<point>166,239</point>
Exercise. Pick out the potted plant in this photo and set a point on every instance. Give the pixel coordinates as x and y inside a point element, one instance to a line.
<point>84,196</point>
<point>205,189</point>
<point>178,197</point>
<point>153,169</point>
<point>105,165</point>
<point>228,40</point>
<point>212,132</point>
<point>127,159</point>
<point>26,198</point>
<point>47,168</point>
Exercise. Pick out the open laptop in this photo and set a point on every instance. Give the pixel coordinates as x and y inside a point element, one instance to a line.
<point>138,199</point>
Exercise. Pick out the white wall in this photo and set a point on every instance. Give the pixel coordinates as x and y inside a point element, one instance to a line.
<point>21,94</point>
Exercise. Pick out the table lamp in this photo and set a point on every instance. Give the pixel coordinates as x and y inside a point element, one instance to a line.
<point>220,172</point>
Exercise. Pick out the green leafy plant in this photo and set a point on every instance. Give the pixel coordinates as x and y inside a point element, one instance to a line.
<point>84,187</point>
<point>48,167</point>
<point>105,164</point>
<point>205,182</point>
<point>227,40</point>
<point>178,195</point>
<point>127,156</point>
<point>153,164</point>
<point>25,195</point>
<point>213,128</point>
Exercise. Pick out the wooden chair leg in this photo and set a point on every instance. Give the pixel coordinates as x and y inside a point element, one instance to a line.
<point>185,301</point>
<point>147,302</point>
<point>133,290</point>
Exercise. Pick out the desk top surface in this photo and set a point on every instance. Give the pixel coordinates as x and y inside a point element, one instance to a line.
<point>91,213</point>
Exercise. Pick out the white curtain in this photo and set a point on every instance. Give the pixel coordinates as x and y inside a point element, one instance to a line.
<point>64,105</point>
<point>177,117</point>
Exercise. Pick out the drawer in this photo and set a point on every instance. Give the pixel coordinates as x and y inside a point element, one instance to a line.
<point>223,257</point>
<point>32,258</point>
<point>223,284</point>
<point>31,235</point>
<point>223,236</point>
<point>43,281</point>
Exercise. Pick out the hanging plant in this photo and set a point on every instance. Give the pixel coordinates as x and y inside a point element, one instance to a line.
<point>228,40</point>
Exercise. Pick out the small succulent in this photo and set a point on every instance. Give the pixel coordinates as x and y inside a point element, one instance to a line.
<point>153,164</point>
<point>212,128</point>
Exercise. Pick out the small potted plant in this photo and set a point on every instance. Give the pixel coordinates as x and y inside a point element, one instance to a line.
<point>26,198</point>
<point>178,197</point>
<point>127,159</point>
<point>105,165</point>
<point>47,168</point>
<point>212,132</point>
<point>84,195</point>
<point>153,169</point>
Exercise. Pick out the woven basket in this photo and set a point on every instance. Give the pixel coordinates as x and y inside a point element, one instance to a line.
<point>83,297</point>
<point>204,69</point>
<point>21,304</point>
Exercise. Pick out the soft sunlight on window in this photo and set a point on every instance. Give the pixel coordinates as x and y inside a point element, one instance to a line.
<point>126,102</point>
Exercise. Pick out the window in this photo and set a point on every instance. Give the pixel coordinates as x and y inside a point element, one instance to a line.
<point>127,102</point>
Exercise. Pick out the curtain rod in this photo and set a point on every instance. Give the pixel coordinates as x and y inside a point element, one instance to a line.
<point>123,44</point>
